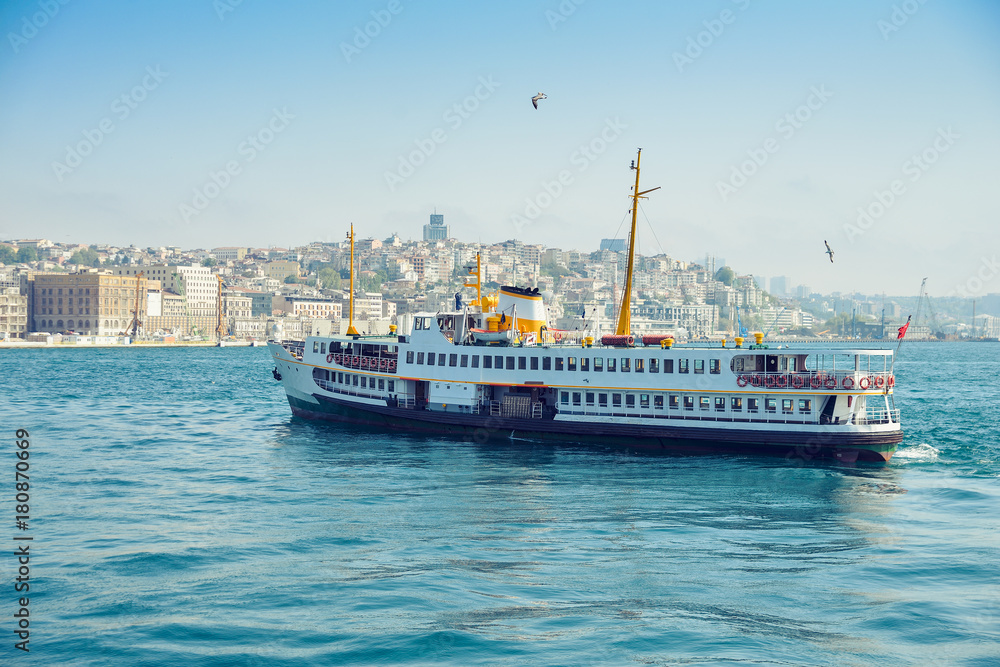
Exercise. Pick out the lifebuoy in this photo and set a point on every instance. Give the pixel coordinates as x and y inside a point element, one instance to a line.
<point>557,336</point>
<point>879,381</point>
<point>392,365</point>
<point>847,382</point>
<point>816,382</point>
<point>865,382</point>
<point>769,381</point>
<point>797,381</point>
<point>831,382</point>
<point>755,380</point>
<point>630,340</point>
<point>741,380</point>
<point>329,358</point>
<point>891,382</point>
<point>781,381</point>
<point>355,361</point>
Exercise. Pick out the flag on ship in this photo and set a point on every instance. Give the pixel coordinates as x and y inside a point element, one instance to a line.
<point>902,329</point>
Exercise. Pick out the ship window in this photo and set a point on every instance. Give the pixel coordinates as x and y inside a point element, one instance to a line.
<point>571,363</point>
<point>598,364</point>
<point>689,402</point>
<point>453,360</point>
<point>355,382</point>
<point>498,362</point>
<point>409,356</point>
<point>616,400</point>
<point>441,358</point>
<point>668,365</point>
<point>522,363</point>
<point>381,384</point>
<point>602,400</point>
<point>364,381</point>
<point>714,366</point>
<point>315,346</point>
<point>431,358</point>
<point>487,361</point>
<point>720,404</point>
<point>392,385</point>
<point>611,364</point>
<point>534,363</point>
<point>585,364</point>
<point>654,365</point>
<point>699,365</point>
<point>576,398</point>
<point>465,361</point>
<point>629,400</point>
<point>643,400</point>
<point>340,378</point>
<point>736,404</point>
<point>639,365</point>
<point>626,365</point>
<point>805,405</point>
<point>658,401</point>
<point>322,348</point>
<point>559,363</point>
<point>475,361</point>
<point>753,405</point>
<point>546,363</point>
<point>420,357</point>
<point>770,404</point>
<point>682,365</point>
<point>786,406</point>
<point>590,398</point>
<point>510,363</point>
<point>673,402</point>
<point>703,402</point>
<point>564,397</point>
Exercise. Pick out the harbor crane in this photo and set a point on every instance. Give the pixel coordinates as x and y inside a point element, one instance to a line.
<point>140,291</point>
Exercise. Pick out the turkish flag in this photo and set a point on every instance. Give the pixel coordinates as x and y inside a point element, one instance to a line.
<point>902,329</point>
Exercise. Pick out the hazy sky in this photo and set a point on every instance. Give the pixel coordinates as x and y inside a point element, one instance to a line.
<point>767,126</point>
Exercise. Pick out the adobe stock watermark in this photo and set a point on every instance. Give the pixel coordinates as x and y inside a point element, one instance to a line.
<point>30,25</point>
<point>900,14</point>
<point>248,149</point>
<point>363,36</point>
<point>562,12</point>
<point>121,107</point>
<point>223,7</point>
<point>454,116</point>
<point>786,127</point>
<point>704,39</point>
<point>989,269</point>
<point>585,155</point>
<point>914,168</point>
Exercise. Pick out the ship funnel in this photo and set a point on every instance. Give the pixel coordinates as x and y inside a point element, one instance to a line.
<point>526,303</point>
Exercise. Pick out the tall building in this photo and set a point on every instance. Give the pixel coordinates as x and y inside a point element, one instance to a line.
<point>195,312</point>
<point>779,286</point>
<point>614,245</point>
<point>91,302</point>
<point>436,230</point>
<point>13,305</point>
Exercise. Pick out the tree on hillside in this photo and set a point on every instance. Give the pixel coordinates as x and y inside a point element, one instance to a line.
<point>290,279</point>
<point>725,275</point>
<point>209,261</point>
<point>27,254</point>
<point>7,255</point>
<point>330,277</point>
<point>86,257</point>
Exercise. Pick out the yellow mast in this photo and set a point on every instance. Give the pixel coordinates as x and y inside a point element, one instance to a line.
<point>351,331</point>
<point>624,311</point>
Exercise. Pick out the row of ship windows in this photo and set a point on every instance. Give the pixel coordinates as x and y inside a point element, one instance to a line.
<point>351,379</point>
<point>584,364</point>
<point>676,401</point>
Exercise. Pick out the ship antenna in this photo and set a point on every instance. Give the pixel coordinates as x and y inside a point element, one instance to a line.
<point>624,310</point>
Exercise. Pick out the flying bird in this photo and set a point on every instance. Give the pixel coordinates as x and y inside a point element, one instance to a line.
<point>539,96</point>
<point>828,251</point>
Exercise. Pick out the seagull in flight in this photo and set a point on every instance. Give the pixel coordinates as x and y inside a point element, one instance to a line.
<point>828,251</point>
<point>539,96</point>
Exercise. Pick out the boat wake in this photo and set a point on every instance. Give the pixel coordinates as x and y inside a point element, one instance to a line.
<point>919,453</point>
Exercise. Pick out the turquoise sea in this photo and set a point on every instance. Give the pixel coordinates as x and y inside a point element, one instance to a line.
<point>181,516</point>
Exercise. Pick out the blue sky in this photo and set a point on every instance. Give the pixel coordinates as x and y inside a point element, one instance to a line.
<point>767,126</point>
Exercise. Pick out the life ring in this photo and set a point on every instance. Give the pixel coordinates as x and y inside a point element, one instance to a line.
<point>831,382</point>
<point>797,381</point>
<point>781,381</point>
<point>879,381</point>
<point>891,382</point>
<point>848,382</point>
<point>769,381</point>
<point>329,358</point>
<point>355,361</point>
<point>864,382</point>
<point>755,380</point>
<point>392,366</point>
<point>557,336</point>
<point>816,382</point>
<point>630,340</point>
<point>741,380</point>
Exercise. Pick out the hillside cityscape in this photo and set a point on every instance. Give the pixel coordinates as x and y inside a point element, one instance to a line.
<point>250,294</point>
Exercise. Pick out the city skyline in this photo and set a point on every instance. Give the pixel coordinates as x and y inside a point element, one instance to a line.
<point>770,128</point>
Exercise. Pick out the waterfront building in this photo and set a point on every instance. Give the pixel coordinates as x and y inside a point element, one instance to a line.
<point>91,302</point>
<point>13,305</point>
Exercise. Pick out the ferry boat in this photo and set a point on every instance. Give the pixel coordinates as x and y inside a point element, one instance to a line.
<point>494,369</point>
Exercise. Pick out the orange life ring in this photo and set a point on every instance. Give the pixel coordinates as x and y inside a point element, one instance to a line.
<point>891,382</point>
<point>879,381</point>
<point>329,358</point>
<point>741,381</point>
<point>846,384</point>
<point>816,382</point>
<point>831,382</point>
<point>865,382</point>
<point>781,381</point>
<point>755,380</point>
<point>355,361</point>
<point>392,365</point>
<point>768,380</point>
<point>797,381</point>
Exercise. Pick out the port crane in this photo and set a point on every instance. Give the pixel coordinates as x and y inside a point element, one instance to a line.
<point>140,292</point>
<point>220,323</point>
<point>935,325</point>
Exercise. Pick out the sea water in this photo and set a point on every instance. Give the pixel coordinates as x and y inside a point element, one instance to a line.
<point>180,515</point>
